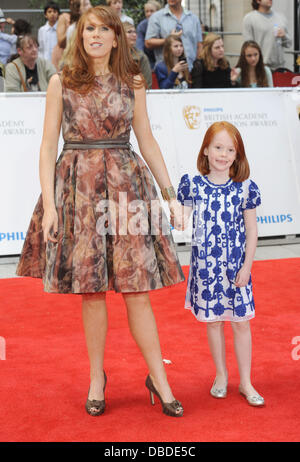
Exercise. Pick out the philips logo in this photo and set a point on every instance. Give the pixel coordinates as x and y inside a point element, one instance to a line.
<point>275,219</point>
<point>14,236</point>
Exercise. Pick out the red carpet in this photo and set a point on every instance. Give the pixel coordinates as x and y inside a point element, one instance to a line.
<point>44,379</point>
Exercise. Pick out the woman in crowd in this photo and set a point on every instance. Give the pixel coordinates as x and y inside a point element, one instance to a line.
<point>149,8</point>
<point>252,71</point>
<point>173,71</point>
<point>138,55</point>
<point>79,8</point>
<point>80,239</point>
<point>65,25</point>
<point>212,70</point>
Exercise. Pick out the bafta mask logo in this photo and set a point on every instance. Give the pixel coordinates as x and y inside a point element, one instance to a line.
<point>192,116</point>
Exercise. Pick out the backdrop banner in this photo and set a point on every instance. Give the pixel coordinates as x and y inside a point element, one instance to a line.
<point>268,119</point>
<point>269,122</point>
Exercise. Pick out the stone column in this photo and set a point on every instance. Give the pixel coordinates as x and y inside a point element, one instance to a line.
<point>233,14</point>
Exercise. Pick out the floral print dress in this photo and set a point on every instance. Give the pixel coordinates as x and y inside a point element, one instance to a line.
<point>218,247</point>
<point>97,249</point>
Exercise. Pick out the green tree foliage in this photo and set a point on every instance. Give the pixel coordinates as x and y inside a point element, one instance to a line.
<point>135,9</point>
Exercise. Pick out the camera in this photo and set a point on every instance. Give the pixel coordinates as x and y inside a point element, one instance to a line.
<point>182,58</point>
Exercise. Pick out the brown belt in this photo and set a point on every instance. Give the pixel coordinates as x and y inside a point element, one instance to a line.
<point>97,144</point>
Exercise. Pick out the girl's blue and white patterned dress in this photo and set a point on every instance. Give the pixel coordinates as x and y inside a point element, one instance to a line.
<point>218,247</point>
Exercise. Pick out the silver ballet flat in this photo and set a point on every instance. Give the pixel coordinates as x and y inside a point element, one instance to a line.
<point>218,392</point>
<point>253,400</point>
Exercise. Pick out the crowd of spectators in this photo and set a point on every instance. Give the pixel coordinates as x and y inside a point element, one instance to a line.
<point>170,44</point>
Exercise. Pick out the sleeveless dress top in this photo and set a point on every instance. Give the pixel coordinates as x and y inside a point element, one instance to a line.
<point>104,199</point>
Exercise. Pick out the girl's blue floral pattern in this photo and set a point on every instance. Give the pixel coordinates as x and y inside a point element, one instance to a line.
<point>218,247</point>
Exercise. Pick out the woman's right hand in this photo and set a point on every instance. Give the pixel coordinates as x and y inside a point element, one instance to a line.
<point>181,66</point>
<point>177,216</point>
<point>50,225</point>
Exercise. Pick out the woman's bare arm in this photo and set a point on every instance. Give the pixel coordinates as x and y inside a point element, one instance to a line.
<point>151,152</point>
<point>61,29</point>
<point>148,145</point>
<point>48,153</point>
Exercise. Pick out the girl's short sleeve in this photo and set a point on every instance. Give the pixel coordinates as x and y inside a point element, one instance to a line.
<point>184,195</point>
<point>252,198</point>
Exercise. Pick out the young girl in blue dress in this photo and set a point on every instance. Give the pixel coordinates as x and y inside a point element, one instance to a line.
<point>223,199</point>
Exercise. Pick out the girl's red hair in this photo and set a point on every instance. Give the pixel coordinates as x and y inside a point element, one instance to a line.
<point>240,170</point>
<point>79,74</point>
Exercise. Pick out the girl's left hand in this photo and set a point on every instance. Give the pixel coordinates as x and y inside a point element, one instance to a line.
<point>243,276</point>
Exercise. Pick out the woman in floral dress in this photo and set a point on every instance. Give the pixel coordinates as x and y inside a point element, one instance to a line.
<point>82,239</point>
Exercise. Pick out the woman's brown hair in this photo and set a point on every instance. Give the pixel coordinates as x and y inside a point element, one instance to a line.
<point>169,58</point>
<point>206,55</point>
<point>240,170</point>
<point>260,73</point>
<point>79,74</point>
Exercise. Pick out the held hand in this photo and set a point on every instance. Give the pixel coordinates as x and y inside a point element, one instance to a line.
<point>177,216</point>
<point>50,226</point>
<point>242,277</point>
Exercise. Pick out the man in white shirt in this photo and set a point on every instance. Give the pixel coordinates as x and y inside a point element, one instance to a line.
<point>176,20</point>
<point>269,29</point>
<point>47,37</point>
